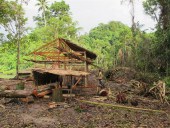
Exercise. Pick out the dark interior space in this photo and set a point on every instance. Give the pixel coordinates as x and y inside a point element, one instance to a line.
<point>44,78</point>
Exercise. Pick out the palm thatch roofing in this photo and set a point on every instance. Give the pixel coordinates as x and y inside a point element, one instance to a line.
<point>75,47</point>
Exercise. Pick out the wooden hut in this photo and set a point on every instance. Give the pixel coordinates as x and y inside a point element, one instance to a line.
<point>61,57</point>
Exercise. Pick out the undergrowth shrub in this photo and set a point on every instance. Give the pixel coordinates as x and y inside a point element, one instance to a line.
<point>167,81</point>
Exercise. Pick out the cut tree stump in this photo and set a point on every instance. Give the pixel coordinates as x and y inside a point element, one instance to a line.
<point>103,92</point>
<point>57,95</point>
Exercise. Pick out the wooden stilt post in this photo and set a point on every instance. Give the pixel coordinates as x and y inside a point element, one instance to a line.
<point>59,55</point>
<point>86,70</point>
<point>35,60</point>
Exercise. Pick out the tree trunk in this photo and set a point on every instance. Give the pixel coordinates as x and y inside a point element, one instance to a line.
<point>44,17</point>
<point>18,47</point>
<point>15,93</point>
<point>18,58</point>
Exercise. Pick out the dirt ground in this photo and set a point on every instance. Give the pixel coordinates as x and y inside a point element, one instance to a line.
<point>77,112</point>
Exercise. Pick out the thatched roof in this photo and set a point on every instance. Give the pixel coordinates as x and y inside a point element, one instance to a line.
<point>75,47</point>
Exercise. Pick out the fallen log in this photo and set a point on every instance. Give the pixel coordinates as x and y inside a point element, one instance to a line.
<point>15,93</point>
<point>121,106</point>
<point>42,94</point>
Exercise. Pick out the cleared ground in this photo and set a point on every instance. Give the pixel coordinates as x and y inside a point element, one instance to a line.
<point>78,113</point>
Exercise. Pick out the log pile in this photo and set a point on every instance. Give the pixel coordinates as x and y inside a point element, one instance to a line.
<point>9,90</point>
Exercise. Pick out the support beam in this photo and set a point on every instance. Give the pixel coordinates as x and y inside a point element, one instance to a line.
<point>86,69</point>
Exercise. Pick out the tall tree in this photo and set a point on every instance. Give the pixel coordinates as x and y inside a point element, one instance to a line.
<point>160,10</point>
<point>132,13</point>
<point>133,29</point>
<point>110,42</point>
<point>13,21</point>
<point>152,8</point>
<point>60,23</point>
<point>43,6</point>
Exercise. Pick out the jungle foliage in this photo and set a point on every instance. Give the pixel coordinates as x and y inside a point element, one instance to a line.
<point>115,43</point>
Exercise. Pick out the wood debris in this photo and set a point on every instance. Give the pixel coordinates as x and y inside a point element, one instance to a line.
<point>159,91</point>
<point>69,95</point>
<point>2,106</point>
<point>121,98</point>
<point>140,87</point>
<point>52,105</point>
<point>42,94</point>
<point>99,98</point>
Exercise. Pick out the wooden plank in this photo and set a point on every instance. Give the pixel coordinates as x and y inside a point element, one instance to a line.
<point>69,95</point>
<point>53,61</point>
<point>74,86</point>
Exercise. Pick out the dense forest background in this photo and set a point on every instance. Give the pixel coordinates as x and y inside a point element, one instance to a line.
<point>115,43</point>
